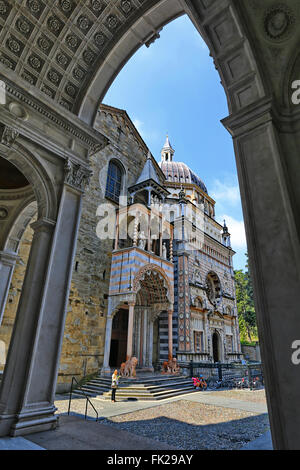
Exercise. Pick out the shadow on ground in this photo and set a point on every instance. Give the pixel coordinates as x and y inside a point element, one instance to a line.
<point>230,435</point>
<point>75,433</point>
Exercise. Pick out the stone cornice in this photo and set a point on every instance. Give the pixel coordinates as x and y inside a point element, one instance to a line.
<point>60,117</point>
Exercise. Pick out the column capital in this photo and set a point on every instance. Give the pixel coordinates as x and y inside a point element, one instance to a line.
<point>76,175</point>
<point>43,225</point>
<point>171,310</point>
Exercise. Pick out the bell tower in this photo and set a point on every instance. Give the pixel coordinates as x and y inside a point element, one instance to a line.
<point>167,151</point>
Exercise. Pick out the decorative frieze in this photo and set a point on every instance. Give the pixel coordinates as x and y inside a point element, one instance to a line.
<point>95,143</point>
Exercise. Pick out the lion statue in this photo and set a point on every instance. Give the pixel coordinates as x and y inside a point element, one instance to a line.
<point>170,367</point>
<point>127,368</point>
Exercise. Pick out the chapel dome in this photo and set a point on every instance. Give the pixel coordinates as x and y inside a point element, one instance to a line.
<point>179,172</point>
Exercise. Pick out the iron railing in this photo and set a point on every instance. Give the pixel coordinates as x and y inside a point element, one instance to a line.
<point>88,401</point>
<point>250,370</point>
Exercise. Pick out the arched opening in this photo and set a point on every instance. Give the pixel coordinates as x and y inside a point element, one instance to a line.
<point>153,299</point>
<point>18,209</point>
<point>216,347</point>
<point>119,338</point>
<point>114,181</point>
<point>267,159</point>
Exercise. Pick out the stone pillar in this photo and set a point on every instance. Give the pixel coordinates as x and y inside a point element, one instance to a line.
<point>30,375</point>
<point>7,265</point>
<point>150,349</point>
<point>130,330</point>
<point>170,334</point>
<point>145,324</point>
<point>116,247</point>
<point>266,145</point>
<point>106,368</point>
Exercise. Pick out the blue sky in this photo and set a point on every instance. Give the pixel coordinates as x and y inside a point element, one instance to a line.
<point>173,87</point>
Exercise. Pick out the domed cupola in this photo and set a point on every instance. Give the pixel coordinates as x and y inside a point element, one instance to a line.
<point>177,172</point>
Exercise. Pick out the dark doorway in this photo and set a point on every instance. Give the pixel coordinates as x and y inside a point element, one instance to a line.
<point>118,345</point>
<point>215,340</point>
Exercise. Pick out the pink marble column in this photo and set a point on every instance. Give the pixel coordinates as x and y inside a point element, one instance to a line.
<point>170,333</point>
<point>130,331</point>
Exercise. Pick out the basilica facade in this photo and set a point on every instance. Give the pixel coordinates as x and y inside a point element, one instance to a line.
<point>153,273</point>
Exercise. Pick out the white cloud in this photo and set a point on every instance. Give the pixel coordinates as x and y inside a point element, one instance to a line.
<point>149,135</point>
<point>139,125</point>
<point>225,193</point>
<point>237,231</point>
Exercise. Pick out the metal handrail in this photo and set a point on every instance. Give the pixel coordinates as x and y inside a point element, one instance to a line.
<point>87,399</point>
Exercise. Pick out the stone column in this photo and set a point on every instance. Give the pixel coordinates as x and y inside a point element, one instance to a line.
<point>7,265</point>
<point>170,334</point>
<point>145,324</point>
<point>106,368</point>
<point>130,330</point>
<point>266,145</point>
<point>150,349</point>
<point>30,375</point>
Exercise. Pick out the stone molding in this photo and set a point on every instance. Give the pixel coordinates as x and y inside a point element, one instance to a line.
<point>89,137</point>
<point>43,225</point>
<point>8,258</point>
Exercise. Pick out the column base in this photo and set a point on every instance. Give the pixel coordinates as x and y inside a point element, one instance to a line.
<point>105,371</point>
<point>28,423</point>
<point>145,369</point>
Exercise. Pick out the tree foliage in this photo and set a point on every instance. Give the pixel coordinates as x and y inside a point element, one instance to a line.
<point>245,305</point>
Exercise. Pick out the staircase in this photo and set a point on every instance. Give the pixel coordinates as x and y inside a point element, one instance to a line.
<point>147,387</point>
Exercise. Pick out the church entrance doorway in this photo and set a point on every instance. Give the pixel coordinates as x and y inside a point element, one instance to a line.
<point>118,338</point>
<point>216,344</point>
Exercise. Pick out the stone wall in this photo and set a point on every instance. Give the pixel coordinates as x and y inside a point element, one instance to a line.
<point>251,353</point>
<point>84,334</point>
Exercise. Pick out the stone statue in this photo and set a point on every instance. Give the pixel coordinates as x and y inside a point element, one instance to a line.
<point>142,240</point>
<point>171,367</point>
<point>127,368</point>
<point>164,251</point>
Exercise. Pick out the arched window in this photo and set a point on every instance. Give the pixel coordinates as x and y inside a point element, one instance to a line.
<point>114,181</point>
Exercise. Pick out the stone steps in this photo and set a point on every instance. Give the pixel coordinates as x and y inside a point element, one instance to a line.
<point>141,388</point>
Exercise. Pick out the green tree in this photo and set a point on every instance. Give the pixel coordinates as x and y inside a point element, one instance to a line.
<point>245,305</point>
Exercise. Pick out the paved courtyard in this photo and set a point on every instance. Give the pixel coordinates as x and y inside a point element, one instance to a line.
<point>213,420</point>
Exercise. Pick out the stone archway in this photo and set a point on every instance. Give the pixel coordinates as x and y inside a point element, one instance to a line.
<point>252,58</point>
<point>118,341</point>
<point>154,295</point>
<point>216,346</point>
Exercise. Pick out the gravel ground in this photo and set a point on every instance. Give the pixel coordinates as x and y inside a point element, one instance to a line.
<point>253,396</point>
<point>194,425</point>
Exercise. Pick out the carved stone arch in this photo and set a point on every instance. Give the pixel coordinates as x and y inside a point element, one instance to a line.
<point>115,303</point>
<point>148,268</point>
<point>220,24</point>
<point>37,175</point>
<point>17,229</point>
